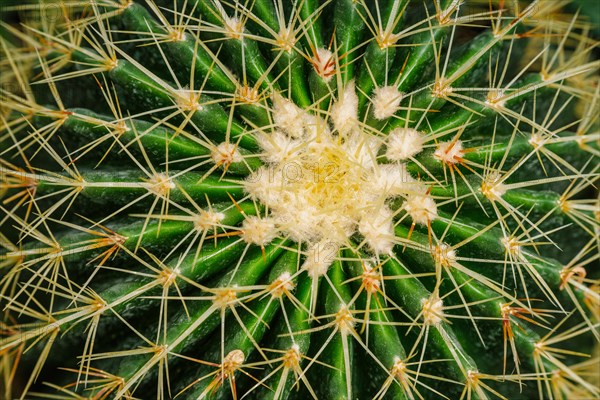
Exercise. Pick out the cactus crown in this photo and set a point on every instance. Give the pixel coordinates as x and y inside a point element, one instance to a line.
<point>306,199</point>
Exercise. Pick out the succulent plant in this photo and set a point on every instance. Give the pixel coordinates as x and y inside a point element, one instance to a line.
<point>272,199</point>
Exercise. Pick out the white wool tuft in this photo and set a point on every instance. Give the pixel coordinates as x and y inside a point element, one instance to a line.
<point>323,173</point>
<point>302,225</point>
<point>344,113</point>
<point>492,187</point>
<point>363,149</point>
<point>403,143</point>
<point>433,310</point>
<point>315,127</point>
<point>263,184</point>
<point>393,179</point>
<point>512,245</point>
<point>278,147</point>
<point>319,258</point>
<point>259,231</point>
<point>444,255</point>
<point>234,27</point>
<point>286,38</point>
<point>449,152</point>
<point>225,154</point>
<point>377,228</point>
<point>386,101</point>
<point>324,63</point>
<point>161,184</point>
<point>288,116</point>
<point>421,208</point>
<point>208,220</point>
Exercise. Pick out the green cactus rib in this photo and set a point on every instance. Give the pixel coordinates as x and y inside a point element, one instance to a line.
<point>328,199</point>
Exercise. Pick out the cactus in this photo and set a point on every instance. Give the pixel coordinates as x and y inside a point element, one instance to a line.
<point>266,199</point>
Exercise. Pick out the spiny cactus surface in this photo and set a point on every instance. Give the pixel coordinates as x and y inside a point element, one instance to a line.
<point>269,199</point>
